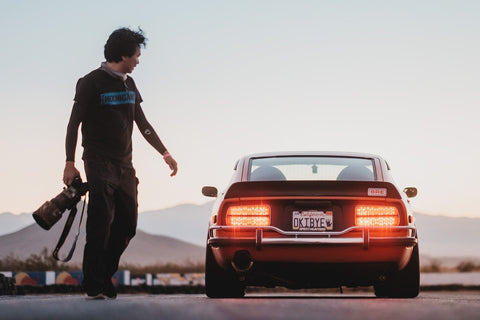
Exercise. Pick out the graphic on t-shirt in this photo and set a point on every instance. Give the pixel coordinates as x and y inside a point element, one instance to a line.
<point>116,98</point>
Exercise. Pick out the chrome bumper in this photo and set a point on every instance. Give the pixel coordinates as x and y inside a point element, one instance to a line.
<point>309,238</point>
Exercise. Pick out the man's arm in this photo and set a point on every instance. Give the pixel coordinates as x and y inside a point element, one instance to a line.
<point>70,172</point>
<point>151,136</point>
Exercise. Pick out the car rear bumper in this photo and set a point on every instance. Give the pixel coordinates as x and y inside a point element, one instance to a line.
<point>323,239</point>
<point>353,245</point>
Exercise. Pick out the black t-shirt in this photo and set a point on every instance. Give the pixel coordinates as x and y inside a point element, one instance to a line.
<point>107,107</point>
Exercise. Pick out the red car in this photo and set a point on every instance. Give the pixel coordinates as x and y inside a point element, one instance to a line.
<point>312,220</point>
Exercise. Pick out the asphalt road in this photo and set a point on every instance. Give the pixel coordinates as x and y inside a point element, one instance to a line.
<point>429,305</point>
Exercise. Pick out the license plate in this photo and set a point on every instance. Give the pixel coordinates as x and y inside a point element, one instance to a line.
<point>312,220</point>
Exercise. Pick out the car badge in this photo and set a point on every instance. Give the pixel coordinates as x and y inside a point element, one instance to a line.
<point>377,192</point>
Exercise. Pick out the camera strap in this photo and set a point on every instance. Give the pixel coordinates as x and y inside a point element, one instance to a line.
<point>66,230</point>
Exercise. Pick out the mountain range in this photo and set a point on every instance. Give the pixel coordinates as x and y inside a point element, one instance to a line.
<point>185,226</point>
<point>145,249</point>
<point>187,222</point>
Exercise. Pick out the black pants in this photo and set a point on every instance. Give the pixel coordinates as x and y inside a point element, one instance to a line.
<point>111,221</point>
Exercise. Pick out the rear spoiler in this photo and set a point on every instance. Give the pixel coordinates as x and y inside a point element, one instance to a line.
<point>374,189</point>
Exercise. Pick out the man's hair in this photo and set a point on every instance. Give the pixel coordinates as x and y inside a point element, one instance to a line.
<point>123,42</point>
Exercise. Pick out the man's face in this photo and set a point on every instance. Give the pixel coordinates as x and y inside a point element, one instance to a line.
<point>129,63</point>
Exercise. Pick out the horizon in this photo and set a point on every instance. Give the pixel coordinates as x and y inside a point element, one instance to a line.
<point>190,223</point>
<point>435,214</point>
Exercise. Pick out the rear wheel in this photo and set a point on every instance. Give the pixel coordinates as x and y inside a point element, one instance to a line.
<point>220,283</point>
<point>404,283</point>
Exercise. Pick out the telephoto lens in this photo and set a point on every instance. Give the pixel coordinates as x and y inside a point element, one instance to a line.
<point>51,211</point>
<point>47,215</point>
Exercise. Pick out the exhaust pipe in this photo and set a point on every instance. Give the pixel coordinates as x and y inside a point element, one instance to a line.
<point>242,261</point>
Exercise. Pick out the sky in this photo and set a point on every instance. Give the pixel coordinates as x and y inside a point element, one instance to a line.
<point>222,79</point>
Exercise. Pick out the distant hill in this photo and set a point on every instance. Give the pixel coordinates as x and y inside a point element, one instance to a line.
<point>187,222</point>
<point>439,236</point>
<point>10,222</point>
<point>144,249</point>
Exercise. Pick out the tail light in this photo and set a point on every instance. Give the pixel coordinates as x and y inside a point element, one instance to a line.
<point>248,215</point>
<point>376,216</point>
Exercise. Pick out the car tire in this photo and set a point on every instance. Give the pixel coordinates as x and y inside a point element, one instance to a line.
<point>220,283</point>
<point>404,283</point>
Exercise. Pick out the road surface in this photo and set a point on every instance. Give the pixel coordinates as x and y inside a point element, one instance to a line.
<point>429,305</point>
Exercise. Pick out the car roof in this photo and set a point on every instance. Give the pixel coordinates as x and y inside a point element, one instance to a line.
<point>313,153</point>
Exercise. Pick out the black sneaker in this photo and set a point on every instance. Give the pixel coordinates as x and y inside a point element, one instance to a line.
<point>110,292</point>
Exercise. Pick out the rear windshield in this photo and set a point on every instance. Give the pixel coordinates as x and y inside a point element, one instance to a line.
<point>311,168</point>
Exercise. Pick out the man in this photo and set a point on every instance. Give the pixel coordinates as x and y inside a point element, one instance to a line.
<point>107,103</point>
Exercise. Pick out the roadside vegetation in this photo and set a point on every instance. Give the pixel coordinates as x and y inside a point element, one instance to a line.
<point>36,262</point>
<point>436,266</point>
<point>44,261</point>
<point>164,268</point>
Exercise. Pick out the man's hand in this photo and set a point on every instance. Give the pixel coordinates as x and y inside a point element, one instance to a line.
<point>70,172</point>
<point>171,163</point>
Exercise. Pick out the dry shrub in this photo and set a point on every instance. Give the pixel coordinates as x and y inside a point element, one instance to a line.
<point>46,262</point>
<point>467,266</point>
<point>165,268</point>
<point>35,262</point>
<point>433,266</point>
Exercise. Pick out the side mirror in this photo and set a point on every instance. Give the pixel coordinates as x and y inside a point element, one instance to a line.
<point>410,192</point>
<point>209,191</point>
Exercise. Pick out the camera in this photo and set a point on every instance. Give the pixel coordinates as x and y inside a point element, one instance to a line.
<point>51,211</point>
